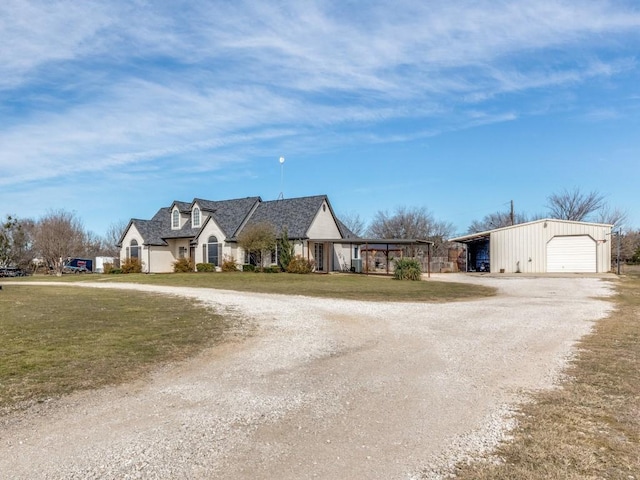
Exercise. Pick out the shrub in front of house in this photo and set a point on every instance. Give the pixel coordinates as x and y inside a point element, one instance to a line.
<point>272,269</point>
<point>247,267</point>
<point>131,265</point>
<point>182,265</point>
<point>229,265</point>
<point>407,269</point>
<point>115,271</point>
<point>205,267</point>
<point>299,264</point>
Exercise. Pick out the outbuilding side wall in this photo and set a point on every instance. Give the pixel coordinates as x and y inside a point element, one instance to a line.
<point>523,248</point>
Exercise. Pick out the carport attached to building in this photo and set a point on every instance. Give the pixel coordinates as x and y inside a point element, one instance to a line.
<point>547,245</point>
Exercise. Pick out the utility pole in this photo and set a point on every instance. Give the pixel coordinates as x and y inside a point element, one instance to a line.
<point>618,252</point>
<point>513,215</point>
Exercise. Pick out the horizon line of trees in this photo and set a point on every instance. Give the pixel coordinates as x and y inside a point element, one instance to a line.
<point>574,205</point>
<point>60,234</point>
<point>52,239</point>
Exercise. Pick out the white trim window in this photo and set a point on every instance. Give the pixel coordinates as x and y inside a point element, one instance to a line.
<point>175,219</point>
<point>213,251</point>
<point>195,217</point>
<point>133,250</point>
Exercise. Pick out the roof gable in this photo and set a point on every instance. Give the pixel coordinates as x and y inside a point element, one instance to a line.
<point>294,214</point>
<point>229,215</point>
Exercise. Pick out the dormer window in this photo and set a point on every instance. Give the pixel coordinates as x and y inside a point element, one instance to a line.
<point>175,219</point>
<point>195,217</point>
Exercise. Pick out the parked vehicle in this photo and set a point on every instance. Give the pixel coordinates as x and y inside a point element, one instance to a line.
<point>72,269</point>
<point>78,265</point>
<point>12,272</point>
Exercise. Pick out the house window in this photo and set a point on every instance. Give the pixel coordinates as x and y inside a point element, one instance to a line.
<point>175,219</point>
<point>196,217</point>
<point>274,256</point>
<point>134,250</point>
<point>319,256</point>
<point>182,252</point>
<point>213,254</point>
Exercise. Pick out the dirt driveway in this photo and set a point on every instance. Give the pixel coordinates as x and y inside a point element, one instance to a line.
<point>320,389</point>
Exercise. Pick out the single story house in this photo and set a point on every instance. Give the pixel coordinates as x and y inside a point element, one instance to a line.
<point>542,246</point>
<point>206,231</point>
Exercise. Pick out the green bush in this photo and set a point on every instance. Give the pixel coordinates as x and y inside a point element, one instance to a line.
<point>272,269</point>
<point>247,267</point>
<point>407,269</point>
<point>182,265</point>
<point>299,264</point>
<point>115,271</point>
<point>286,249</point>
<point>229,265</point>
<point>131,265</point>
<point>205,267</point>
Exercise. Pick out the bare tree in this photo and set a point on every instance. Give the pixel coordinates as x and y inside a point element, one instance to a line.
<point>94,245</point>
<point>411,223</point>
<point>496,220</point>
<point>353,222</point>
<point>629,245</point>
<point>59,235</point>
<point>611,216</point>
<point>112,237</point>
<point>403,223</point>
<point>574,205</point>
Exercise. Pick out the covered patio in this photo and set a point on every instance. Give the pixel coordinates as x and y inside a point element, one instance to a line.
<point>361,251</point>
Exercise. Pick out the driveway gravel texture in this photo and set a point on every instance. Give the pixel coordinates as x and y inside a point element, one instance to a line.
<point>318,388</point>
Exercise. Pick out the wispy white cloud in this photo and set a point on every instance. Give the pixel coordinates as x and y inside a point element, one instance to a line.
<point>95,86</point>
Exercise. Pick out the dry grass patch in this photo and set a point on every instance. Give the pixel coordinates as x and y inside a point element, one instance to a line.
<point>55,340</point>
<point>351,287</point>
<point>589,428</point>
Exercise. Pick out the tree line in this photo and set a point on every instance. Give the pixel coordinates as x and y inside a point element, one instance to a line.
<point>49,241</point>
<point>574,205</point>
<point>60,234</point>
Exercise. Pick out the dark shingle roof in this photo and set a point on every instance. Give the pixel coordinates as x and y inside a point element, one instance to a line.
<point>344,230</point>
<point>229,214</point>
<point>296,214</point>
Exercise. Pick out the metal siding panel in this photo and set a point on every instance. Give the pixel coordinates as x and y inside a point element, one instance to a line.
<point>530,241</point>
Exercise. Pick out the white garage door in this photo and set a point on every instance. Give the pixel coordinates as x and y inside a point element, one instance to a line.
<point>571,254</point>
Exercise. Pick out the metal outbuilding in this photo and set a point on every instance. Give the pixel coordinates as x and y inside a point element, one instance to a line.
<point>541,246</point>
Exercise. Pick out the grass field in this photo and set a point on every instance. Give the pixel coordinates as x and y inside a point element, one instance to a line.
<point>590,427</point>
<point>354,287</point>
<point>55,340</point>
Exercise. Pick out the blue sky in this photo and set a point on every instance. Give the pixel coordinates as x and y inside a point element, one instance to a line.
<point>114,109</point>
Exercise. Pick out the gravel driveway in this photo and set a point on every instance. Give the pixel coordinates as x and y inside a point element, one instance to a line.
<point>326,389</point>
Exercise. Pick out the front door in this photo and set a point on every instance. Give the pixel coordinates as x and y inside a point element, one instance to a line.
<point>319,256</point>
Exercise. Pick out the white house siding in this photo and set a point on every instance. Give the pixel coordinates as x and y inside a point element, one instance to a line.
<point>342,256</point>
<point>524,247</point>
<point>159,259</point>
<point>324,225</point>
<point>183,218</point>
<point>212,228</point>
<point>132,234</point>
